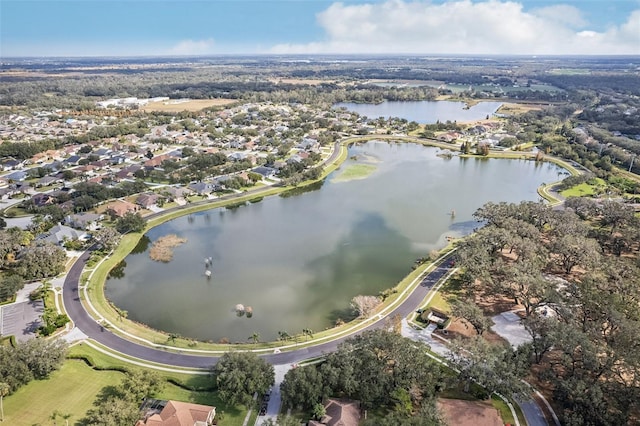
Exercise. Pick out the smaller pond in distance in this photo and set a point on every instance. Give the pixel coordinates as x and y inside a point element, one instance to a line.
<point>299,260</point>
<point>424,112</point>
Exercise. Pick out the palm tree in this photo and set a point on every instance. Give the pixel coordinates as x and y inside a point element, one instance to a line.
<point>4,390</point>
<point>283,335</point>
<point>66,418</point>
<point>307,332</point>
<point>255,337</point>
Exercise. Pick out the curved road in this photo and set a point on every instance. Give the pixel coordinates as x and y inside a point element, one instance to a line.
<point>88,325</point>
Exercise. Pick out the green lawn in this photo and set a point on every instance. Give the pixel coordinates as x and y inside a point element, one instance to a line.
<point>74,387</point>
<point>586,189</point>
<point>72,390</point>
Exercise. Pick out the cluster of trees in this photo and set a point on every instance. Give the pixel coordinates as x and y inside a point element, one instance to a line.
<point>380,369</point>
<point>27,258</point>
<point>33,359</point>
<point>120,405</point>
<point>239,375</point>
<point>575,272</point>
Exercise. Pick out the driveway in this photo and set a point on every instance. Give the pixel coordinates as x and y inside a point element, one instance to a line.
<point>508,326</point>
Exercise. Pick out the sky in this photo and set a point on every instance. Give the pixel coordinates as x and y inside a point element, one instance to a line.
<point>212,27</point>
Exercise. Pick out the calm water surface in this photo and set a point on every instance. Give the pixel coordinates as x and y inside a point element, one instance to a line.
<point>424,112</point>
<point>297,261</point>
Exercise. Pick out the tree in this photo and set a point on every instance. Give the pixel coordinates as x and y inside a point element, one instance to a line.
<point>41,356</point>
<point>239,375</point>
<point>372,365</point>
<point>494,367</point>
<point>120,405</point>
<point>4,391</point>
<point>255,337</point>
<point>9,285</point>
<point>471,313</point>
<point>107,237</point>
<point>572,250</point>
<point>3,223</point>
<point>41,260</point>
<point>130,222</point>
<point>307,332</point>
<point>302,387</point>
<point>365,305</point>
<point>283,335</point>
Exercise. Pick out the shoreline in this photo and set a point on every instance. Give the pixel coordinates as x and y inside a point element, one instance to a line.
<point>97,280</point>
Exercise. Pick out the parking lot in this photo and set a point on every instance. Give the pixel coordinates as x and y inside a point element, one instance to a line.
<point>21,319</point>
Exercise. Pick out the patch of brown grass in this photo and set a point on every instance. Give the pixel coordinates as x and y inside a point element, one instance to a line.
<point>469,413</point>
<point>190,105</point>
<point>162,249</point>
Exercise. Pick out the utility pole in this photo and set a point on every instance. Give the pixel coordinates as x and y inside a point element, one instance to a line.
<point>632,160</point>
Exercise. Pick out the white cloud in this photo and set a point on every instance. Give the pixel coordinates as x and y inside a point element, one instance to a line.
<point>192,47</point>
<point>464,27</point>
<point>562,14</point>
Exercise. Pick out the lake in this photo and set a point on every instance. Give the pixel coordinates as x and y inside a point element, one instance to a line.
<point>424,112</point>
<point>299,260</point>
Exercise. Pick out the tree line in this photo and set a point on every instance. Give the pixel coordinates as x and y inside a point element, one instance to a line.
<point>575,272</point>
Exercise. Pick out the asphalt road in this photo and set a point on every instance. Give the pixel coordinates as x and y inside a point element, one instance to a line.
<point>85,323</point>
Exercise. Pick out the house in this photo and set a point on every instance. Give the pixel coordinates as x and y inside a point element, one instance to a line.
<point>73,160</point>
<point>17,176</point>
<point>177,192</point>
<point>41,199</point>
<point>176,413</point>
<point>87,221</point>
<point>47,180</point>
<point>267,172</point>
<point>147,200</point>
<point>60,234</point>
<point>9,164</point>
<point>339,412</point>
<point>119,208</point>
<point>6,193</point>
<point>203,188</point>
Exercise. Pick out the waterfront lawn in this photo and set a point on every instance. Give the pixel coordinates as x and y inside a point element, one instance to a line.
<point>586,189</point>
<point>70,390</point>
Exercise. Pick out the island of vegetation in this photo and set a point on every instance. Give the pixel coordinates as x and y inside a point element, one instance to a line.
<point>162,249</point>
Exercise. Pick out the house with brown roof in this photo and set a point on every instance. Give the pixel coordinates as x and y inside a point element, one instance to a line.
<point>339,412</point>
<point>147,199</point>
<point>176,413</point>
<point>119,208</point>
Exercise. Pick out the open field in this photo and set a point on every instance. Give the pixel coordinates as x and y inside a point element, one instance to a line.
<point>307,81</point>
<point>190,105</point>
<point>511,108</point>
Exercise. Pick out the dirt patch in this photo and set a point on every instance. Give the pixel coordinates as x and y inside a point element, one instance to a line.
<point>162,249</point>
<point>469,413</point>
<point>186,105</point>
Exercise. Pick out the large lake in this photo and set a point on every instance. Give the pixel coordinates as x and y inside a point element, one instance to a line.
<point>424,112</point>
<point>298,260</point>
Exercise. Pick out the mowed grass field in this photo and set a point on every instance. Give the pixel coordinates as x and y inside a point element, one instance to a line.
<point>70,390</point>
<point>190,105</point>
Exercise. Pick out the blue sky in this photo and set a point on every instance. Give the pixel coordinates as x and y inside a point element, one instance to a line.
<point>151,27</point>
